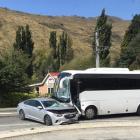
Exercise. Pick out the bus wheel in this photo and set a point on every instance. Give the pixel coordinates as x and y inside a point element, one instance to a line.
<point>90,113</point>
<point>138,110</point>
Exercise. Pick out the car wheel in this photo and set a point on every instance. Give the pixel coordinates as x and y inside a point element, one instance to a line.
<point>21,115</point>
<point>47,120</point>
<point>138,110</point>
<point>90,113</point>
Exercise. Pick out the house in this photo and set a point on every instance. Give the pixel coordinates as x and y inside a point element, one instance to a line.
<point>47,85</point>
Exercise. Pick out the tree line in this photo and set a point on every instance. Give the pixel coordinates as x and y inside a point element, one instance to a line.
<point>19,67</point>
<point>130,45</point>
<point>16,67</point>
<point>61,52</point>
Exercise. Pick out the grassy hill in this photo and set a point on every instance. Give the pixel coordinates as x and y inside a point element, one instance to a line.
<point>79,28</point>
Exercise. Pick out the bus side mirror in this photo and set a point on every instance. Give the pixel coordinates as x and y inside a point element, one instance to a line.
<point>61,83</point>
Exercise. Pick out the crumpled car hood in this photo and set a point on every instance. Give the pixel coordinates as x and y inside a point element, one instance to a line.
<point>60,108</point>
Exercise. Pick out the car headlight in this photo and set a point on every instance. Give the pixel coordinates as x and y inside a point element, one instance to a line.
<point>58,115</point>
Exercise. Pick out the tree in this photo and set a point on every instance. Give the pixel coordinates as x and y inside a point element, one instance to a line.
<point>104,34</point>
<point>29,44</point>
<point>129,56</point>
<point>12,72</point>
<point>53,43</point>
<point>69,50</point>
<point>65,49</point>
<point>61,53</point>
<point>133,30</point>
<point>25,44</point>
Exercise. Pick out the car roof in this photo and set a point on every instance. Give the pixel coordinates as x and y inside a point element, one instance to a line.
<point>42,99</point>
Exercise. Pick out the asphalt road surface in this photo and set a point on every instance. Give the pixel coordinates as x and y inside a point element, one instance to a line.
<point>111,133</point>
<point>12,123</point>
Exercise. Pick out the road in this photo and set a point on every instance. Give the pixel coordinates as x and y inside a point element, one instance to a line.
<point>13,122</point>
<point>117,133</point>
<point>106,131</point>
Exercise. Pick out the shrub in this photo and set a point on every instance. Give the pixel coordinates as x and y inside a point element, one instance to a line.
<point>12,99</point>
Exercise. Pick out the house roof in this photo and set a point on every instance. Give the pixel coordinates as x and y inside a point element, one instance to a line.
<point>52,74</point>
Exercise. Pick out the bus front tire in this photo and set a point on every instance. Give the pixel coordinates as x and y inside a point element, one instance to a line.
<point>90,113</point>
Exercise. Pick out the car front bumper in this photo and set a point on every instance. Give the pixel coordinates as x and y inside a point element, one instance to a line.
<point>63,120</point>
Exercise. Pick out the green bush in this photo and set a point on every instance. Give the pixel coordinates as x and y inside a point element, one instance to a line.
<point>12,99</point>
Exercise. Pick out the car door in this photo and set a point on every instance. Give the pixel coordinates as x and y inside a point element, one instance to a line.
<point>37,113</point>
<point>28,107</point>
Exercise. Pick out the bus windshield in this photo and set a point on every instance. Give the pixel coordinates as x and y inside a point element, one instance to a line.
<point>62,88</point>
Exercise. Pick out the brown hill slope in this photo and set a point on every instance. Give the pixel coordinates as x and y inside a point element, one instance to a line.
<point>79,28</point>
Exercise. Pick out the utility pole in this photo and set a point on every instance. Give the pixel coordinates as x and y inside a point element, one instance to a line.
<point>97,49</point>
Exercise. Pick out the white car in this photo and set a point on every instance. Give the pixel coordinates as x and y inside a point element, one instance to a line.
<point>46,110</point>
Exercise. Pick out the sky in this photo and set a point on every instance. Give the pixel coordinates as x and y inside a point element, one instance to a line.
<point>124,9</point>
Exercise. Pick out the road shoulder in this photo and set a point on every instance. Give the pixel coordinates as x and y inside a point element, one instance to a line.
<point>44,129</point>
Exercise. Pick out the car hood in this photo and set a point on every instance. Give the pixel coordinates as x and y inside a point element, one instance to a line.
<point>60,108</point>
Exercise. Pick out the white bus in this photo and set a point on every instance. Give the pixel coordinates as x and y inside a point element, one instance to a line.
<point>100,91</point>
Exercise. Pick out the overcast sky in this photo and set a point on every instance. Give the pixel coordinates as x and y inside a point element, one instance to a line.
<point>125,9</point>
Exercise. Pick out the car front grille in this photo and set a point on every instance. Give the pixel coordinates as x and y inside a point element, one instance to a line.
<point>69,116</point>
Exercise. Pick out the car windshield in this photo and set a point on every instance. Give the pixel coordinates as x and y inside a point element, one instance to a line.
<point>51,103</point>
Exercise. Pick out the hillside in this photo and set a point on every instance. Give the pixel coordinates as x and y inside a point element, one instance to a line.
<point>79,28</point>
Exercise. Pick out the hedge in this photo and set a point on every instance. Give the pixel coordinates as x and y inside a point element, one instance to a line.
<point>12,99</point>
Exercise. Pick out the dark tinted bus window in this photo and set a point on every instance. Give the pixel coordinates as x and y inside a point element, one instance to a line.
<point>106,84</point>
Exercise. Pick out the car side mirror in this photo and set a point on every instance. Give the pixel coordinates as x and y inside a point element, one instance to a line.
<point>40,107</point>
